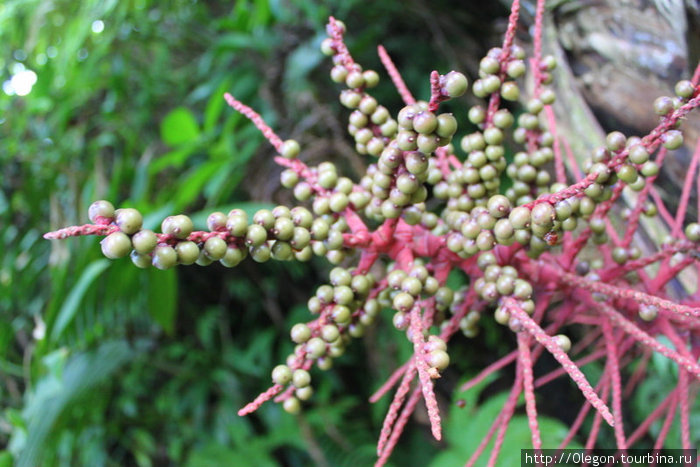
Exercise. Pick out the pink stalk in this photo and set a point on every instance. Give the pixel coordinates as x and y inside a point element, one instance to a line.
<point>595,428</point>
<point>487,438</point>
<point>392,413</point>
<point>683,401</point>
<point>637,296</point>
<point>668,422</point>
<point>391,382</point>
<point>585,408</point>
<point>663,212</point>
<point>670,400</point>
<point>399,426</point>
<point>537,49</point>
<point>638,374</point>
<point>685,194</point>
<point>395,76</point>
<point>78,230</point>
<point>492,368</point>
<point>553,347</point>
<point>426,383</point>
<point>257,120</point>
<point>261,399</point>
<point>614,370</point>
<point>552,375</point>
<point>507,415</point>
<point>529,389</point>
<point>645,339</point>
<point>559,168</point>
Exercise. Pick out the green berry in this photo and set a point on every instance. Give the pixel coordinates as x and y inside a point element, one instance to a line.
<point>179,226</point>
<point>510,91</point>
<point>685,89</point>
<point>164,257</point>
<point>99,209</point>
<point>692,231</point>
<point>139,260</point>
<point>301,378</point>
<point>672,139</point>
<point>116,245</point>
<point>281,374</point>
<point>300,333</point>
<point>215,248</point>
<point>187,252</point>
<point>256,235</point>
<point>216,221</point>
<point>290,149</point>
<point>663,105</point>
<point>455,84</point>
<point>292,405</point>
<point>233,256</point>
<point>128,220</point>
<point>144,241</point>
<point>425,122</point>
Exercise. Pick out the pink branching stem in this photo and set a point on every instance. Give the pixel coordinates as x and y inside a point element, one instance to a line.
<point>261,399</point>
<point>585,408</point>
<point>257,120</point>
<point>593,434</point>
<point>696,75</point>
<point>559,168</point>
<point>650,141</point>
<point>393,412</point>
<point>507,415</point>
<point>665,252</point>
<point>336,33</point>
<point>614,369</point>
<point>633,220</point>
<point>637,296</point>
<point>426,383</point>
<point>668,403</point>
<point>645,339</point>
<point>682,388</point>
<point>79,230</point>
<point>553,347</point>
<point>663,212</point>
<point>537,51</point>
<point>399,426</point>
<point>638,374</point>
<point>684,407</point>
<point>395,76</point>
<point>487,438</point>
<point>492,368</point>
<point>495,98</point>
<point>685,194</point>
<point>573,163</point>
<point>552,375</point>
<point>529,389</point>
<point>391,382</point>
<point>437,93</point>
<point>668,422</point>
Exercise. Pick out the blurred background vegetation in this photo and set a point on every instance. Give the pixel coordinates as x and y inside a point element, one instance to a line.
<point>103,364</point>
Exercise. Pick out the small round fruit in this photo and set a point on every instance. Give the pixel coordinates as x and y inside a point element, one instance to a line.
<point>179,226</point>
<point>455,84</point>
<point>144,241</point>
<point>116,245</point>
<point>128,220</point>
<point>164,257</point>
<point>101,208</point>
<point>281,374</point>
<point>187,252</point>
<point>215,248</point>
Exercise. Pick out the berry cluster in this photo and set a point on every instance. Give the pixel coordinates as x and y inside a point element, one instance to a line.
<point>421,211</point>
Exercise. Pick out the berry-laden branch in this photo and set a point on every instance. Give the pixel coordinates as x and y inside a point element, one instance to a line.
<point>420,211</point>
